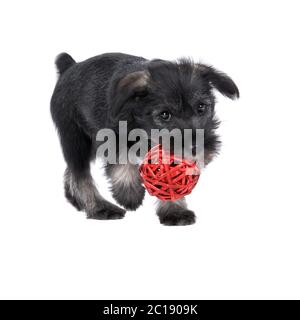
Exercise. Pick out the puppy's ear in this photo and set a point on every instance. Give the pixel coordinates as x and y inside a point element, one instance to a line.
<point>125,88</point>
<point>220,81</point>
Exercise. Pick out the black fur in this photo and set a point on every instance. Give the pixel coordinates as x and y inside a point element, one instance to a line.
<point>63,62</point>
<point>101,91</point>
<point>176,217</point>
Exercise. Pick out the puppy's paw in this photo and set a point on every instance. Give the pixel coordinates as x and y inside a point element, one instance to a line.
<point>181,217</point>
<point>106,211</point>
<point>130,199</point>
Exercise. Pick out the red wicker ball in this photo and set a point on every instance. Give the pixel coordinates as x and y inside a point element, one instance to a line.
<point>167,177</point>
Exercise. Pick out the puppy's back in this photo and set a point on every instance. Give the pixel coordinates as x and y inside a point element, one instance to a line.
<point>81,90</point>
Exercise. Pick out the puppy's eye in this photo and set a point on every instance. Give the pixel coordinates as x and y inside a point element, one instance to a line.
<point>165,115</point>
<point>202,108</point>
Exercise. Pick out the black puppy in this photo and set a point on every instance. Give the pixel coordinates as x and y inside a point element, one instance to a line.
<point>101,91</point>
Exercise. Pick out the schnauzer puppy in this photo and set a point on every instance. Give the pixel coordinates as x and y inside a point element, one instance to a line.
<point>100,92</point>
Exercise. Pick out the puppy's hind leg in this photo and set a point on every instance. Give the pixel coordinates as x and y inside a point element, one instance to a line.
<point>126,185</point>
<point>80,188</point>
<point>83,194</point>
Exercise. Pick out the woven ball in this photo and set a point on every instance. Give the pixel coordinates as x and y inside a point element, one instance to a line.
<point>167,177</point>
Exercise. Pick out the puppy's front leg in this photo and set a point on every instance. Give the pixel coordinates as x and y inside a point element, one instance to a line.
<point>175,213</point>
<point>126,185</point>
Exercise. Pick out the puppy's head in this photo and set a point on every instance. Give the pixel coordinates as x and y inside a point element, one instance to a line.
<point>172,95</point>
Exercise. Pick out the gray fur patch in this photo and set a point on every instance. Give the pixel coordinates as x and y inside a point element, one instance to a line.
<point>83,190</point>
<point>177,204</point>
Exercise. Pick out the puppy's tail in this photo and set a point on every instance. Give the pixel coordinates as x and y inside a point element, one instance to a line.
<point>63,62</point>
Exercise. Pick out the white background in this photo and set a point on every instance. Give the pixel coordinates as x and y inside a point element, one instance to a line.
<point>245,243</point>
